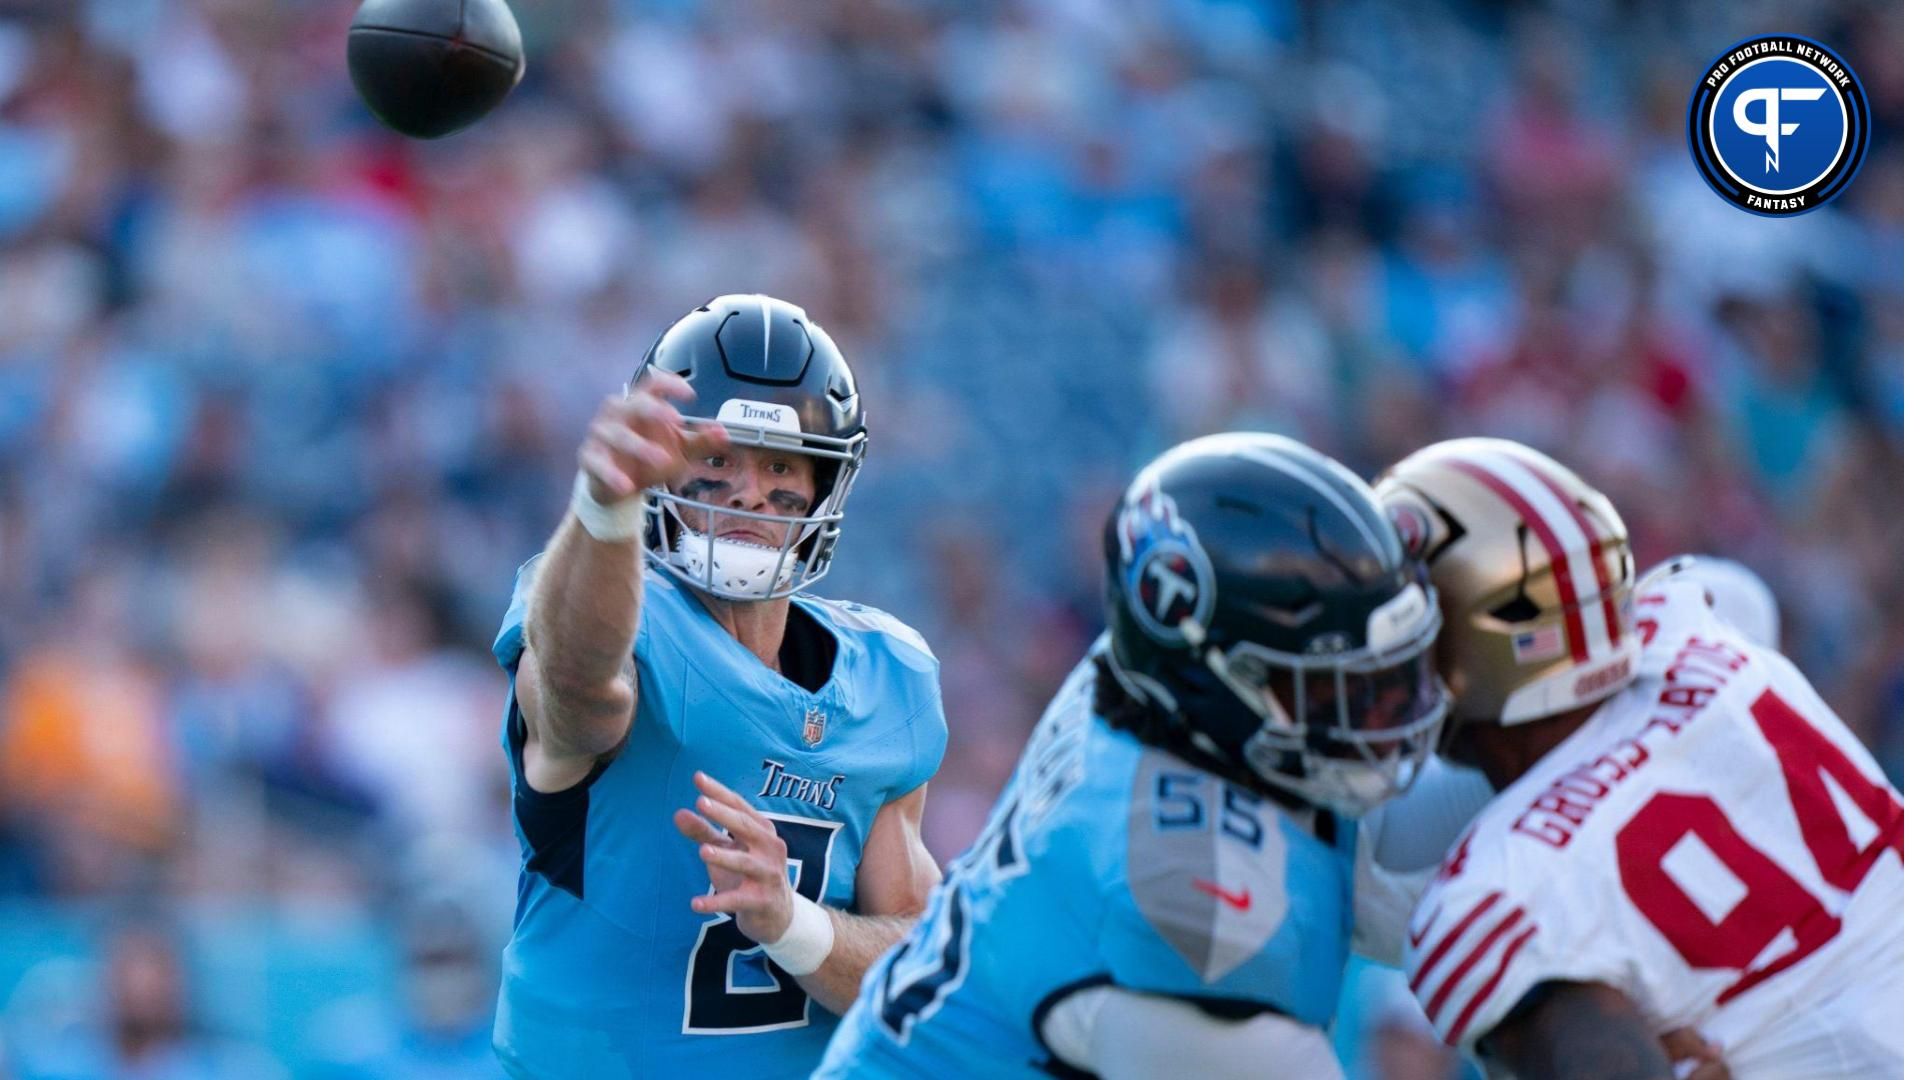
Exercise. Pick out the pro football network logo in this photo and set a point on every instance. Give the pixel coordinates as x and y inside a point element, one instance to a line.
<point>1778,125</point>
<point>1169,579</point>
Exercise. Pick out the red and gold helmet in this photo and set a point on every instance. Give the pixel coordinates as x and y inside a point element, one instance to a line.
<point>1533,572</point>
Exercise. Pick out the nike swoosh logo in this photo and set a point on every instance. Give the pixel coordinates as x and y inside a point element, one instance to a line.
<point>1239,901</point>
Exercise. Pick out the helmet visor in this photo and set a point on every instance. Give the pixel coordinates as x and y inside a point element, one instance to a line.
<point>1362,705</point>
<point>1346,729</point>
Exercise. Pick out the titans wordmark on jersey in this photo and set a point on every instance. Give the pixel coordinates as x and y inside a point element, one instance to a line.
<point>609,972</point>
<point>1106,863</point>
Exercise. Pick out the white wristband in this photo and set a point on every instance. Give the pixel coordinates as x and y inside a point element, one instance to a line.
<point>609,524</point>
<point>808,940</point>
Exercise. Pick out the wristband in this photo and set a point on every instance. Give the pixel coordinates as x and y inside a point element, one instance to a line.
<point>608,524</point>
<point>808,940</point>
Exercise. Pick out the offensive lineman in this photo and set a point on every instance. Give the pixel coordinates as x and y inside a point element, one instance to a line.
<point>1684,835</point>
<point>660,644</point>
<point>1167,883</point>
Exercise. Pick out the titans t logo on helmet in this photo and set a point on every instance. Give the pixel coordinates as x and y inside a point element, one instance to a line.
<point>1169,579</point>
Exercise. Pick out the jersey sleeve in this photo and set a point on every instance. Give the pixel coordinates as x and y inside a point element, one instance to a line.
<point>929,733</point>
<point>1489,929</point>
<point>1400,844</point>
<point>912,677</point>
<point>1383,902</point>
<point>511,641</point>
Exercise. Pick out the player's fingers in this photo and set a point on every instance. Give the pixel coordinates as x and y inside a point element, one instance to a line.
<point>666,384</point>
<point>639,456</point>
<point>745,863</point>
<point>744,825</point>
<point>731,902</point>
<point>1693,1056</point>
<point>606,479</point>
<point>704,439</point>
<point>711,785</point>
<point>1686,1044</point>
<point>698,829</point>
<point>743,818</point>
<point>715,789</point>
<point>656,420</point>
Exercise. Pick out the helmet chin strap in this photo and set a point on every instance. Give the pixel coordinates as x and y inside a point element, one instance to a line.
<point>741,571</point>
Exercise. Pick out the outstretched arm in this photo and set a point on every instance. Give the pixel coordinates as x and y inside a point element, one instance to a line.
<point>576,685</point>
<point>748,868</point>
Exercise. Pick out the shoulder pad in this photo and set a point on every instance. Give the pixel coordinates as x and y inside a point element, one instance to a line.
<point>1215,899</point>
<point>862,619</point>
<point>1490,928</point>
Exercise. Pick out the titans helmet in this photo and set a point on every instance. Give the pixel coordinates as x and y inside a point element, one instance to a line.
<point>774,379</point>
<point>1258,597</point>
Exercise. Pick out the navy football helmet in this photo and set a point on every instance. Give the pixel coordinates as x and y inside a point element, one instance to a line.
<point>1261,603</point>
<point>773,378</point>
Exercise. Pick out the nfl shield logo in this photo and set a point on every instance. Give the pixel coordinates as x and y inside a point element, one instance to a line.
<point>815,727</point>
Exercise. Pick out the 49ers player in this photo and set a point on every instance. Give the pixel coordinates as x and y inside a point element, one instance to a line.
<point>1684,834</point>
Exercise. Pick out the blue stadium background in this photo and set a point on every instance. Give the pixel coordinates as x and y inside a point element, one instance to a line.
<point>284,399</point>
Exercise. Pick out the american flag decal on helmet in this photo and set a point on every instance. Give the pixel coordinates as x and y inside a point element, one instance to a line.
<point>1534,646</point>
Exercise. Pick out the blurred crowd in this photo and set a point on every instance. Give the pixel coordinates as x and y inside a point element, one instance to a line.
<point>285,399</point>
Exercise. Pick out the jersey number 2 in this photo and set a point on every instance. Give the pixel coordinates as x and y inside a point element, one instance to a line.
<point>1774,901</point>
<point>715,1006</point>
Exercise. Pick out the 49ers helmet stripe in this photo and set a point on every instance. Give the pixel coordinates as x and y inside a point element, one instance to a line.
<point>1594,551</point>
<point>1572,531</point>
<point>1556,550</point>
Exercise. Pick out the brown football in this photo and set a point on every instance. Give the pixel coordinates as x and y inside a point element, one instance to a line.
<point>429,68</point>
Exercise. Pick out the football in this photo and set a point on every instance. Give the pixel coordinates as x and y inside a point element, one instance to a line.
<point>429,68</point>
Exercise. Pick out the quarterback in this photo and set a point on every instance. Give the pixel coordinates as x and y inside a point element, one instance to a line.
<point>660,651</point>
<point>1684,834</point>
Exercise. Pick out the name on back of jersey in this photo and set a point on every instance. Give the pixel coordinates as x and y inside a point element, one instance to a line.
<point>1689,684</point>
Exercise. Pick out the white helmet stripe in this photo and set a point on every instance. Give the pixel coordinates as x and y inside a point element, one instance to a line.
<point>1279,463</point>
<point>1594,552</point>
<point>1568,532</point>
<point>1529,511</point>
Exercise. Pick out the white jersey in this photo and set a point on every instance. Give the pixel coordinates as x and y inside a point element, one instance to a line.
<point>1713,842</point>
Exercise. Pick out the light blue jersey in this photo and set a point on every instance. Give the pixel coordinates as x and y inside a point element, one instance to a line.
<point>610,973</point>
<point>1106,862</point>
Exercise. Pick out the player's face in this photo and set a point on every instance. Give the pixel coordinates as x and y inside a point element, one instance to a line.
<point>1375,703</point>
<point>754,479</point>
